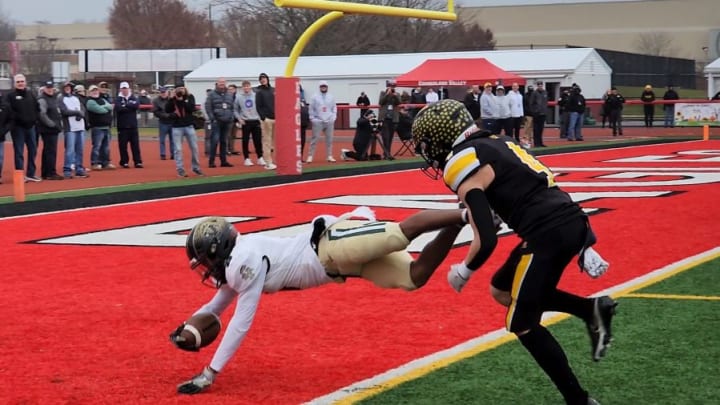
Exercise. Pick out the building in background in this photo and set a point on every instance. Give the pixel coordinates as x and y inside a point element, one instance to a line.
<point>687,29</point>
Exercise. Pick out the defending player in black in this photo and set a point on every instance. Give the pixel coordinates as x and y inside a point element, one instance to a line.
<point>494,173</point>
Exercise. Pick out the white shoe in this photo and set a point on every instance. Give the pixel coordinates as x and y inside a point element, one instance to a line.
<point>248,162</point>
<point>261,162</point>
<point>270,166</point>
<point>309,159</point>
<point>331,159</point>
<point>110,166</point>
<point>343,154</point>
<point>97,167</point>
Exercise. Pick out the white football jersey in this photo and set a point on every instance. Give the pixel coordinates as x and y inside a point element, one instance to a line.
<point>265,264</point>
<point>289,263</point>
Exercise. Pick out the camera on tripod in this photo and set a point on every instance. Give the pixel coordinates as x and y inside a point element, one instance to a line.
<point>374,123</point>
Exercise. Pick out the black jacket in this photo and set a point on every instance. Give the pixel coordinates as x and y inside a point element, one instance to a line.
<point>472,104</point>
<point>181,110</point>
<point>23,106</point>
<point>576,102</point>
<point>159,110</point>
<point>49,118</point>
<point>126,112</point>
<point>265,102</point>
<point>4,120</point>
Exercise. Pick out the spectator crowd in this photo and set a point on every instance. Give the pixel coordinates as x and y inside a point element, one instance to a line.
<point>247,113</point>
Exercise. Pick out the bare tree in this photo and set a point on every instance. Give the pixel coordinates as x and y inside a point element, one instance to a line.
<point>37,58</point>
<point>655,44</point>
<point>152,24</point>
<point>259,28</point>
<point>7,29</point>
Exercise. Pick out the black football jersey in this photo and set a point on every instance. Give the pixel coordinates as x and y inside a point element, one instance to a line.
<point>523,194</point>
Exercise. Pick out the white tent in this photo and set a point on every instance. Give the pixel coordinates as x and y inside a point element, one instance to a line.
<point>712,72</point>
<point>348,75</point>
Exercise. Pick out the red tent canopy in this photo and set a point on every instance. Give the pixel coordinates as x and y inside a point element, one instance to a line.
<point>456,72</point>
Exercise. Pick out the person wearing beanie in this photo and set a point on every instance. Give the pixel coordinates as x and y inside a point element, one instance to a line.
<point>265,98</point>
<point>648,99</point>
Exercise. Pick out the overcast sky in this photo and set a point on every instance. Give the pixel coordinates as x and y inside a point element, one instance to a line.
<point>64,11</point>
<point>69,11</point>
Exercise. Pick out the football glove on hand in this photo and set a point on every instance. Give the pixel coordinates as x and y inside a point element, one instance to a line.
<point>180,342</point>
<point>458,276</point>
<point>592,263</point>
<point>197,384</point>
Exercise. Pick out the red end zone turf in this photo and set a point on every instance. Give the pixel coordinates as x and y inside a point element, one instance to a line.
<point>90,324</point>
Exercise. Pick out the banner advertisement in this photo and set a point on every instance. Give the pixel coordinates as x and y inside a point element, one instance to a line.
<point>697,114</point>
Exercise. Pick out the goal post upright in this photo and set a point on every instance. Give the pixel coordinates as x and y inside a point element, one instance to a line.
<point>287,97</point>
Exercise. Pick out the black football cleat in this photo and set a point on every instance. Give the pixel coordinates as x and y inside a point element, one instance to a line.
<point>600,329</point>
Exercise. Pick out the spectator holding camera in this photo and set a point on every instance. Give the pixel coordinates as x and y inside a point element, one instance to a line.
<point>180,108</point>
<point>323,112</point>
<point>367,127</point>
<point>389,103</point>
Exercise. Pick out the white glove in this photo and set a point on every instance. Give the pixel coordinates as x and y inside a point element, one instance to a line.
<point>199,383</point>
<point>458,276</point>
<point>593,264</point>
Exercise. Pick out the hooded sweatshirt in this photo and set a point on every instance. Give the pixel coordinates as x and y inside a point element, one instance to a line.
<point>246,106</point>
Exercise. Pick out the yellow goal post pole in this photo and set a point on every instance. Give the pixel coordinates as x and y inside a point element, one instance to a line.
<point>287,102</point>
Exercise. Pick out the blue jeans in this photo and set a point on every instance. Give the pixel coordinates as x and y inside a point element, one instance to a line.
<point>100,154</point>
<point>188,133</point>
<point>219,135</point>
<point>574,130</point>
<point>74,146</point>
<point>165,131</point>
<point>24,137</point>
<point>669,116</point>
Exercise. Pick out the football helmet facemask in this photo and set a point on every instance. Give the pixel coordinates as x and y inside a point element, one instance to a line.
<point>436,129</point>
<point>208,247</point>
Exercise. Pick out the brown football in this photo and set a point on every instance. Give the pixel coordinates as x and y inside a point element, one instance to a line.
<point>201,329</point>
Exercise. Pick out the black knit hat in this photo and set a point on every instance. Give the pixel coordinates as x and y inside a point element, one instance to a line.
<point>263,75</point>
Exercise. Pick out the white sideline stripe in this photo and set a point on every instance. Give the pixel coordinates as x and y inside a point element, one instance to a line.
<point>279,185</point>
<point>443,358</point>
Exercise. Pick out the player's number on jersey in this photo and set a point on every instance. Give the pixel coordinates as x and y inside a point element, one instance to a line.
<point>532,163</point>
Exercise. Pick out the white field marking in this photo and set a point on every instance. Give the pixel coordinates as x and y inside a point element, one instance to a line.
<point>422,366</point>
<point>195,195</point>
<point>284,184</point>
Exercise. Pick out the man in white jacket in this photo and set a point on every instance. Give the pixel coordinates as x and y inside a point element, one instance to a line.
<point>323,112</point>
<point>331,250</point>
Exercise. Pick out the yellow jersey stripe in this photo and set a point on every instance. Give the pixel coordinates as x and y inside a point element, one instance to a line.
<point>459,167</point>
<point>520,272</point>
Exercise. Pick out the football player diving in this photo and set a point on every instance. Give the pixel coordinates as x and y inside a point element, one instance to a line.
<point>352,245</point>
<point>494,174</point>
